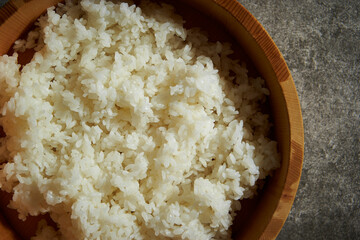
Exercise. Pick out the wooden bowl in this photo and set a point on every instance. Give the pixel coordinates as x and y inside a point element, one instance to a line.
<point>261,217</point>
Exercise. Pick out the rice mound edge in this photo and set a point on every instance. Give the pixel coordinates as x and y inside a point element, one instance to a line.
<point>126,125</point>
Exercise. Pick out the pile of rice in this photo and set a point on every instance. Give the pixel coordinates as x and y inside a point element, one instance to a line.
<point>126,125</point>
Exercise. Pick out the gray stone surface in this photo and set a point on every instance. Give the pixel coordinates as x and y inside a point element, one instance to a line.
<point>320,41</point>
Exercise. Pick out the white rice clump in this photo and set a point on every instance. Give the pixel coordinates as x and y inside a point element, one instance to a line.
<point>125,125</point>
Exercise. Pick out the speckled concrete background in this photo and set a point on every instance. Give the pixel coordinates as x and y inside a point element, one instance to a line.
<point>320,41</point>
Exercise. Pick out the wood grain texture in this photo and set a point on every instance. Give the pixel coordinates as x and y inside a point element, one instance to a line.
<point>14,23</point>
<point>260,35</point>
<point>270,210</point>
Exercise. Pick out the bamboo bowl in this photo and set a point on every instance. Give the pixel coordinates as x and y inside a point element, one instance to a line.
<point>261,217</point>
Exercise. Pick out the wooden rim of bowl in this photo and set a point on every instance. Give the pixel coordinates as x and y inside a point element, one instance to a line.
<point>17,15</point>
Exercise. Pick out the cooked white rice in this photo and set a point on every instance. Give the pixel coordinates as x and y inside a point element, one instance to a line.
<point>125,125</point>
